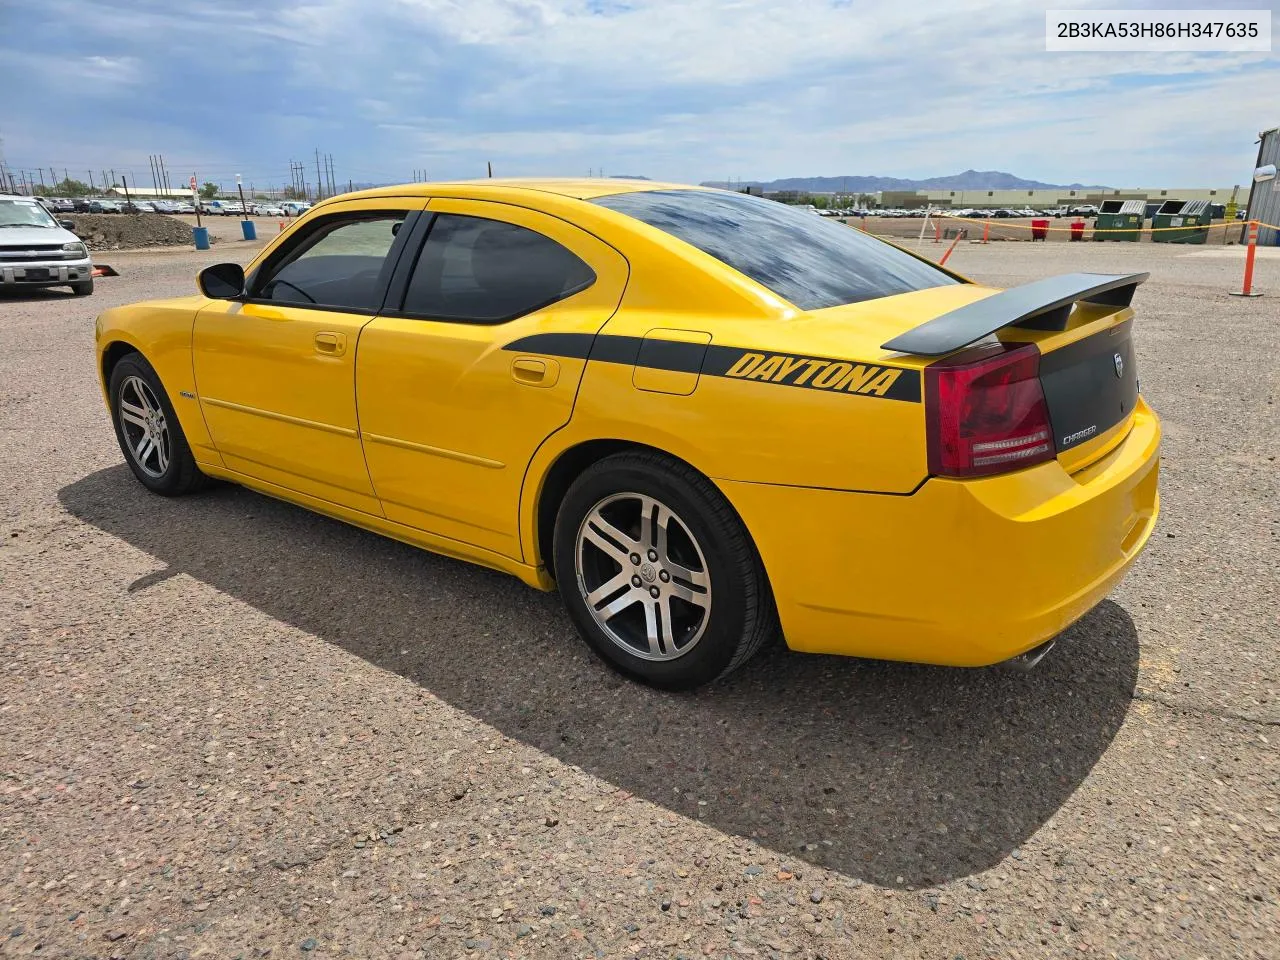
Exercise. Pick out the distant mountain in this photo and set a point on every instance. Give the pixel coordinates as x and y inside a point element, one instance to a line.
<point>626,176</point>
<point>968,180</point>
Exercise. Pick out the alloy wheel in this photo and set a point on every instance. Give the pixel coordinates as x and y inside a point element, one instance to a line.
<point>145,429</point>
<point>643,576</point>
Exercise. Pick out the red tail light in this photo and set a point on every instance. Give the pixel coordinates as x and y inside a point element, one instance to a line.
<point>986,412</point>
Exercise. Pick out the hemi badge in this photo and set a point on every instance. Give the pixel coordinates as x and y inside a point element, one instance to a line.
<point>187,394</point>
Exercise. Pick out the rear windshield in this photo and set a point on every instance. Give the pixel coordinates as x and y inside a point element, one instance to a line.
<point>802,257</point>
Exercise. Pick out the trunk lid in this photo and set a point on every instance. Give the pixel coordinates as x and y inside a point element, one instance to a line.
<point>1081,324</point>
<point>1090,387</point>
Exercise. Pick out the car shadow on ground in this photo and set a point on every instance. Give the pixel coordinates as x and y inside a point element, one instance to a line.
<point>35,293</point>
<point>893,773</point>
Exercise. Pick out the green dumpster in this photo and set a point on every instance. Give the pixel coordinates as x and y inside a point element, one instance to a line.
<point>1119,220</point>
<point>1191,215</point>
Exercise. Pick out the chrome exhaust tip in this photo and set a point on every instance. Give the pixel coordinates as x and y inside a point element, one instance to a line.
<point>1026,662</point>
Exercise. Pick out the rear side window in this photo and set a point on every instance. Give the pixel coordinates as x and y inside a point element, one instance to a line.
<point>486,271</point>
<point>806,259</point>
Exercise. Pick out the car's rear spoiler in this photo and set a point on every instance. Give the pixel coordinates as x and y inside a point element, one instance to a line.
<point>1042,305</point>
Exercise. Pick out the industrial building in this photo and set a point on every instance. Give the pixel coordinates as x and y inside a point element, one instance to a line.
<point>1264,195</point>
<point>1044,199</point>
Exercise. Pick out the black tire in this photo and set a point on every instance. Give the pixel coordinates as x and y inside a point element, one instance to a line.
<point>179,474</point>
<point>741,615</point>
<point>82,288</point>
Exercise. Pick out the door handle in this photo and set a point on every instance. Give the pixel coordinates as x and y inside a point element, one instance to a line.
<point>535,371</point>
<point>331,344</point>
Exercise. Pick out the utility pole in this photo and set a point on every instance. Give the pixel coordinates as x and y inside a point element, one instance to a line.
<point>319,179</point>
<point>91,186</point>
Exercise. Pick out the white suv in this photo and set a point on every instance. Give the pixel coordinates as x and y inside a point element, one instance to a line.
<point>38,251</point>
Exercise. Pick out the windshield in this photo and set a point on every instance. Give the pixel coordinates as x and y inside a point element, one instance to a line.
<point>806,259</point>
<point>24,213</point>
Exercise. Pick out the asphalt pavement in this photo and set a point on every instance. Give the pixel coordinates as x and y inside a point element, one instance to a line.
<point>233,728</point>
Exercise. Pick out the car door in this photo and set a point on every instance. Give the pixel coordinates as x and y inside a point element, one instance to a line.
<point>453,395</point>
<point>275,370</point>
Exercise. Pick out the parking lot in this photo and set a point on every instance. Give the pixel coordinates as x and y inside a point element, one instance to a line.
<point>233,728</point>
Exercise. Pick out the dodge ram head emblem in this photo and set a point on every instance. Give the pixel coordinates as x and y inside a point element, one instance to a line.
<point>1119,362</point>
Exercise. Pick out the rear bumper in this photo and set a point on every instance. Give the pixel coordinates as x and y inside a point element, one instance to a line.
<point>45,274</point>
<point>961,573</point>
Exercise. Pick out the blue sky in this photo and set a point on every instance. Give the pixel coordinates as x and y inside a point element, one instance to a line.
<point>672,89</point>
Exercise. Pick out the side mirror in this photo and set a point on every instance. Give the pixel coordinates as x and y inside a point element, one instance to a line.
<point>222,281</point>
<point>67,225</point>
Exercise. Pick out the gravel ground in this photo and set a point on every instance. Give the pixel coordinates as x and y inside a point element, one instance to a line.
<point>232,728</point>
<point>127,231</point>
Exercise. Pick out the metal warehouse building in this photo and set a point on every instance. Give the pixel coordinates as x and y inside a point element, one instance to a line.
<point>1264,195</point>
<point>1045,198</point>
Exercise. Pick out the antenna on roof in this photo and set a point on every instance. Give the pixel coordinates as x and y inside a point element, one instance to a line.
<point>490,168</point>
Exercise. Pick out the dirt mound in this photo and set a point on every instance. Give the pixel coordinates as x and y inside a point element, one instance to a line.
<point>129,231</point>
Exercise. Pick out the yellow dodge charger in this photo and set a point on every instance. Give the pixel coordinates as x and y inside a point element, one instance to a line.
<point>708,418</point>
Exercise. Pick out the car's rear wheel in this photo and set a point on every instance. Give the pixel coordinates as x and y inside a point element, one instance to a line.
<point>148,431</point>
<point>659,573</point>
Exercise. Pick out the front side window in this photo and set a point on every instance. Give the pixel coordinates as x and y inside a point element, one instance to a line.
<point>338,266</point>
<point>477,270</point>
<point>810,261</point>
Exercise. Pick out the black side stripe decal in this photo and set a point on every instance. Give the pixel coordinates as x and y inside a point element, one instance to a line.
<point>716,360</point>
<point>573,345</point>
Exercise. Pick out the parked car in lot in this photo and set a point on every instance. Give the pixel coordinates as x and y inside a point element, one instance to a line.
<point>183,208</point>
<point>139,206</point>
<point>521,376</point>
<point>270,210</point>
<point>217,208</point>
<point>37,250</point>
<point>295,208</point>
<point>104,206</point>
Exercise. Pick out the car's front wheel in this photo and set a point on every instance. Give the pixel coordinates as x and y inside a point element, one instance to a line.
<point>659,573</point>
<point>148,431</point>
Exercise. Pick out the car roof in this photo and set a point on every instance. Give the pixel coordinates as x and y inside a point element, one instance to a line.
<point>582,188</point>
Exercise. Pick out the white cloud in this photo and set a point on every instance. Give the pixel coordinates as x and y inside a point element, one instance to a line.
<point>673,89</point>
<point>109,69</point>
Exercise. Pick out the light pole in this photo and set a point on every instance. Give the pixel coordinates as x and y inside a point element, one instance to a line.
<point>246,225</point>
